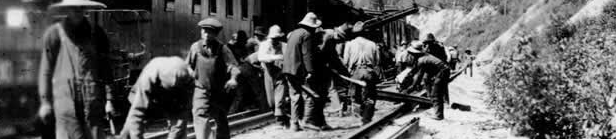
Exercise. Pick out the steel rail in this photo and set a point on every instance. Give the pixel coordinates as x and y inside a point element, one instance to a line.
<point>375,128</point>
<point>233,118</point>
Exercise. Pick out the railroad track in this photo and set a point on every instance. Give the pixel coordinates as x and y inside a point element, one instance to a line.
<point>238,123</point>
<point>401,123</point>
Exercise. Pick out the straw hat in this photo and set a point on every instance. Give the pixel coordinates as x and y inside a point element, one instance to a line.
<point>311,20</point>
<point>415,47</point>
<point>275,32</point>
<point>78,3</point>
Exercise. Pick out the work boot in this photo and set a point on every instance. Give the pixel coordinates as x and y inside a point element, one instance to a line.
<point>311,126</point>
<point>295,126</point>
<point>282,122</point>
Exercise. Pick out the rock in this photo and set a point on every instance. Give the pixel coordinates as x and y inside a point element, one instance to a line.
<point>461,107</point>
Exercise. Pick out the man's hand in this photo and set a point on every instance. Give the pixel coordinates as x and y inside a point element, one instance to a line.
<point>308,77</point>
<point>109,109</point>
<point>358,27</point>
<point>45,113</point>
<point>231,84</point>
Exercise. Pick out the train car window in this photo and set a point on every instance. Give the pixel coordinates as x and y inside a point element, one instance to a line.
<point>169,5</point>
<point>212,6</point>
<point>229,7</point>
<point>196,6</point>
<point>244,4</point>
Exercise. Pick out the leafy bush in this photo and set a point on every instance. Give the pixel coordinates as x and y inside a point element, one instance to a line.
<point>565,95</point>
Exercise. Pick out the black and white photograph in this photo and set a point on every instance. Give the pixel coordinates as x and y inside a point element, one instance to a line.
<point>307,69</point>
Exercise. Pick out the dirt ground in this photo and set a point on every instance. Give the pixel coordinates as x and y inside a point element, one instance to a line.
<point>479,123</point>
<point>341,127</point>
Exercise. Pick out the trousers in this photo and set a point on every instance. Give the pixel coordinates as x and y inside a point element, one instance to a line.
<point>295,93</point>
<point>440,92</point>
<point>203,111</point>
<point>364,96</point>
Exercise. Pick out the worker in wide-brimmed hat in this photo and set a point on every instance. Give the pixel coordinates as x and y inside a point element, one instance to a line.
<point>298,66</point>
<point>434,47</point>
<point>216,71</point>
<point>331,47</point>
<point>270,55</point>
<point>75,71</point>
<point>432,71</point>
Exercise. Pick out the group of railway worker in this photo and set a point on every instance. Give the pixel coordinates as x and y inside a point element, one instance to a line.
<point>299,73</point>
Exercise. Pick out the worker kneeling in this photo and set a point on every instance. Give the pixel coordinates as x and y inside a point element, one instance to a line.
<point>163,87</point>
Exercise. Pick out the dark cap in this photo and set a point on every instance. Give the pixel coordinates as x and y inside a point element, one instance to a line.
<point>260,30</point>
<point>210,23</point>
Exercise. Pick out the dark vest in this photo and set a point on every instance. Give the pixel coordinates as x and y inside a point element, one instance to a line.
<point>211,67</point>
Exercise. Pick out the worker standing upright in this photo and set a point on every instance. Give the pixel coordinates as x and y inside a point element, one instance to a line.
<point>330,55</point>
<point>75,74</point>
<point>215,71</point>
<point>270,55</point>
<point>298,67</point>
<point>361,56</point>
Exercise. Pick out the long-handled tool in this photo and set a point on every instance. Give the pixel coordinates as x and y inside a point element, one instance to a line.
<point>111,124</point>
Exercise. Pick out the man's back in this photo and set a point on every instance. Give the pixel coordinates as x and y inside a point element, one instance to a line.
<point>298,54</point>
<point>436,50</point>
<point>431,64</point>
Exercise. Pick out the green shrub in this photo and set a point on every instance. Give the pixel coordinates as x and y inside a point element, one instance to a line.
<point>565,95</point>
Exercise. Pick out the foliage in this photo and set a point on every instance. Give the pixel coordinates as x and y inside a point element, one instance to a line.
<point>567,94</point>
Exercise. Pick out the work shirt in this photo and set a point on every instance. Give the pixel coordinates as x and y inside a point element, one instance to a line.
<point>435,49</point>
<point>270,55</point>
<point>428,68</point>
<point>74,72</point>
<point>431,65</point>
<point>330,52</point>
<point>269,52</point>
<point>164,87</point>
<point>298,57</point>
<point>361,52</point>
<point>212,63</point>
